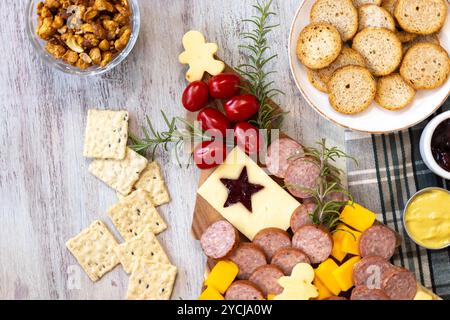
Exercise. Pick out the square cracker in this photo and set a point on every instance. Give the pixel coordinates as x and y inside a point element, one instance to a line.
<point>120,175</point>
<point>94,250</point>
<point>134,213</point>
<point>106,134</point>
<point>151,281</point>
<point>152,181</point>
<point>144,246</point>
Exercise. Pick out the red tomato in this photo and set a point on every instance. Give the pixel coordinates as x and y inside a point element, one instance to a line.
<point>213,119</point>
<point>246,136</point>
<point>224,86</point>
<point>209,154</point>
<point>241,108</point>
<point>195,96</point>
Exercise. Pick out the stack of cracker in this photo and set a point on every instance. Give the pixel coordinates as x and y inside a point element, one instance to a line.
<point>140,188</point>
<point>364,50</point>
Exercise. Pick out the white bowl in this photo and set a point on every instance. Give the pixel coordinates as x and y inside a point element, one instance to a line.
<point>425,145</point>
<point>375,119</point>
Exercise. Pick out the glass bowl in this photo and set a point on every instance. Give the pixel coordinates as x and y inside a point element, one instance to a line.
<point>38,43</point>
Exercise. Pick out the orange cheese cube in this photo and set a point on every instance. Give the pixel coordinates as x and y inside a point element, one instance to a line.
<point>343,274</point>
<point>324,273</point>
<point>270,296</point>
<point>222,275</point>
<point>358,217</point>
<point>211,293</point>
<point>350,242</point>
<point>323,291</point>
<point>337,252</point>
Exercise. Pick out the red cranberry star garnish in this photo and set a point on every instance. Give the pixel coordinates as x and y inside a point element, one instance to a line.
<point>240,190</point>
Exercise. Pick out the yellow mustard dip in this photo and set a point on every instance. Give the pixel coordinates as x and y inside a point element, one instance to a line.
<point>427,219</point>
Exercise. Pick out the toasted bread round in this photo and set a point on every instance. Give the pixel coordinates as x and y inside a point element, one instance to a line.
<point>380,48</point>
<point>429,38</point>
<point>358,3</point>
<point>421,16</point>
<point>393,93</point>
<point>352,89</point>
<point>319,44</point>
<point>341,14</point>
<point>315,80</point>
<point>425,66</point>
<point>371,15</point>
<point>347,57</point>
<point>389,6</point>
<point>405,37</point>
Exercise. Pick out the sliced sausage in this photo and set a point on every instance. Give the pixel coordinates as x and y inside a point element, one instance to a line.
<point>219,240</point>
<point>272,239</point>
<point>301,175</point>
<point>377,241</point>
<point>369,270</point>
<point>266,277</point>
<point>279,155</point>
<point>248,257</point>
<point>243,290</point>
<point>314,241</point>
<point>399,284</point>
<point>335,298</point>
<point>365,293</point>
<point>287,258</point>
<point>302,216</point>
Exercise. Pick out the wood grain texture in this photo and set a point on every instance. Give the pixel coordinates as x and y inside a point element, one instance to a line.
<point>46,192</point>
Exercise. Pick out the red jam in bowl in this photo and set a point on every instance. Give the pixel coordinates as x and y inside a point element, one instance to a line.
<point>440,145</point>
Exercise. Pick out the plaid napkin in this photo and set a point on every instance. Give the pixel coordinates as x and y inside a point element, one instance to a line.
<point>389,172</point>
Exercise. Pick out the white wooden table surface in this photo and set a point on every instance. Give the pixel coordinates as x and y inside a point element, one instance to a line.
<point>46,192</point>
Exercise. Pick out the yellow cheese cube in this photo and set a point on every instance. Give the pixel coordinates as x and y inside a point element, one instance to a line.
<point>211,294</point>
<point>337,252</point>
<point>323,291</point>
<point>350,242</point>
<point>343,274</point>
<point>270,296</point>
<point>358,217</point>
<point>422,294</point>
<point>324,273</point>
<point>222,275</point>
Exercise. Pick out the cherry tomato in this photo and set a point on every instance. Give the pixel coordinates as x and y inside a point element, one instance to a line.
<point>213,119</point>
<point>209,154</point>
<point>241,108</point>
<point>195,96</point>
<point>246,136</point>
<point>224,86</point>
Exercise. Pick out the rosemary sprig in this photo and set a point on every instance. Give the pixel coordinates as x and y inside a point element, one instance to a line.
<point>254,71</point>
<point>329,183</point>
<point>172,135</point>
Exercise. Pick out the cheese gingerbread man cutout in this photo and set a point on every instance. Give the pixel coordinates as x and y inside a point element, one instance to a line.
<point>298,286</point>
<point>199,55</point>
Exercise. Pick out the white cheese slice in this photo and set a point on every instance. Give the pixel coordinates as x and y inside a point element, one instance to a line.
<point>271,206</point>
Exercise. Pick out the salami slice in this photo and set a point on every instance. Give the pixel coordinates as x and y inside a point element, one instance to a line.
<point>219,239</point>
<point>272,239</point>
<point>302,216</point>
<point>248,257</point>
<point>399,284</point>
<point>369,270</point>
<point>243,290</point>
<point>266,277</point>
<point>279,153</point>
<point>287,258</point>
<point>365,293</point>
<point>377,241</point>
<point>314,241</point>
<point>301,175</point>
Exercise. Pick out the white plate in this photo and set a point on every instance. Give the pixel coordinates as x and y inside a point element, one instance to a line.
<point>375,119</point>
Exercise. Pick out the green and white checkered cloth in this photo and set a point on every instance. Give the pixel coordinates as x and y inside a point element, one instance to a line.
<point>389,172</point>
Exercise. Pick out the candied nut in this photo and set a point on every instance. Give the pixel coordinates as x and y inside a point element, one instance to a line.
<point>55,50</point>
<point>123,40</point>
<point>63,30</point>
<point>87,28</point>
<point>95,55</point>
<point>123,10</point>
<point>52,4</point>
<point>58,22</point>
<point>85,57</point>
<point>110,25</point>
<point>104,45</point>
<point>82,64</point>
<point>103,5</point>
<point>46,30</point>
<point>90,14</point>
<point>70,57</point>
<point>89,41</point>
<point>45,12</point>
<point>99,31</point>
<point>73,44</point>
<point>106,58</point>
